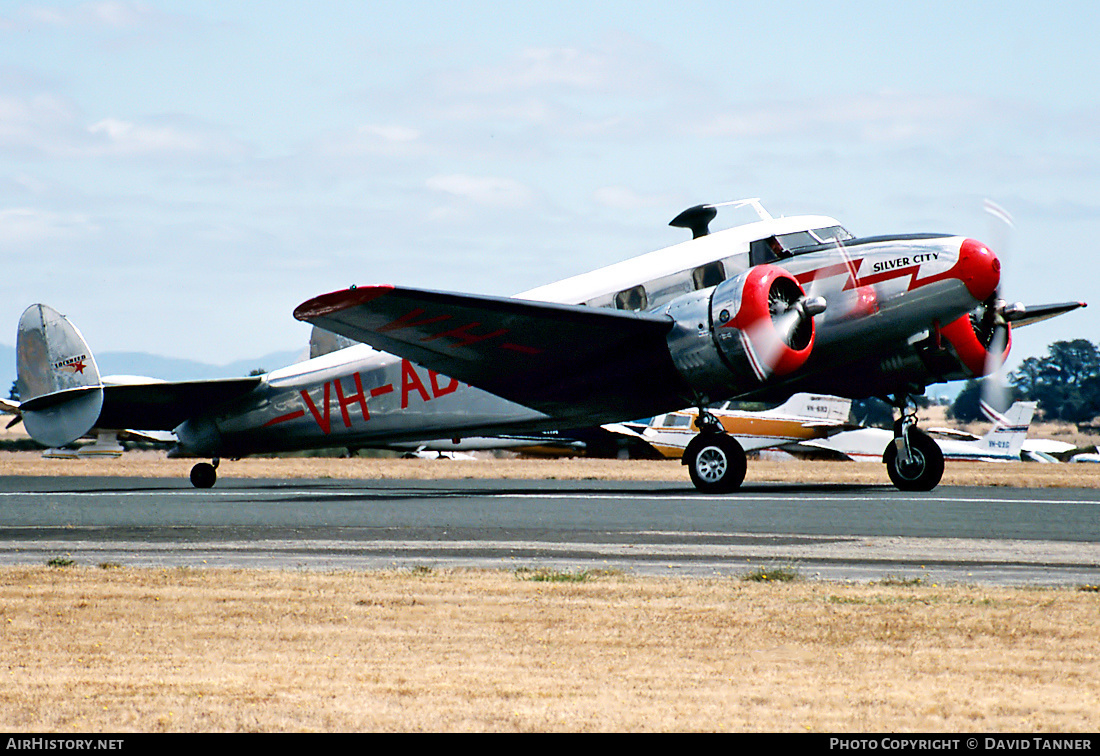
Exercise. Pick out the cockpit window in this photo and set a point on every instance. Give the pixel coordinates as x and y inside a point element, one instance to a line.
<point>633,298</point>
<point>781,246</point>
<point>832,233</point>
<point>797,240</point>
<point>767,250</point>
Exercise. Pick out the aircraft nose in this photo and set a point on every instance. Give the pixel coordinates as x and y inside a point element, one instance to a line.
<point>979,269</point>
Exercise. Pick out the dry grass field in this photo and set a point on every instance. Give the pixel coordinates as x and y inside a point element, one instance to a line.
<point>119,650</point>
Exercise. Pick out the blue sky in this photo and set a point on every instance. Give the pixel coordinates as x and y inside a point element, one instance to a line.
<point>178,176</point>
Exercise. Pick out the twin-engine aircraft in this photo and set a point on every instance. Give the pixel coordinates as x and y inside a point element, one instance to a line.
<point>755,312</point>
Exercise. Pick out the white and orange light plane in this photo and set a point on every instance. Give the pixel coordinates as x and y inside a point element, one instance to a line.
<point>757,312</point>
<point>803,417</point>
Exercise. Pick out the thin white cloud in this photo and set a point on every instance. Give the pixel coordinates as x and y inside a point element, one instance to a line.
<point>23,226</point>
<point>620,65</point>
<point>594,90</point>
<point>371,140</point>
<point>489,191</point>
<point>624,198</point>
<point>33,120</point>
<point>113,136</point>
<point>878,117</point>
<point>48,125</point>
<point>114,14</point>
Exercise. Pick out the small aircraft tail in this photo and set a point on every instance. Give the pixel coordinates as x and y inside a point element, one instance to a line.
<point>322,342</point>
<point>59,387</point>
<point>1009,432</point>
<point>819,407</point>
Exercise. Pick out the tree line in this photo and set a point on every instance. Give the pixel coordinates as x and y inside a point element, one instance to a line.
<point>1065,383</point>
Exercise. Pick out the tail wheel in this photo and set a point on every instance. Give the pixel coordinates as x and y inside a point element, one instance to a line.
<point>925,469</point>
<point>716,463</point>
<point>203,475</point>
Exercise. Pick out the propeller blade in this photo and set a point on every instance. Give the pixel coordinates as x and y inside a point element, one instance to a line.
<point>995,395</point>
<point>995,398</point>
<point>1001,228</point>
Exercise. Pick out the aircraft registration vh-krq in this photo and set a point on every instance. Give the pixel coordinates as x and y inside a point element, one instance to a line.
<point>754,312</point>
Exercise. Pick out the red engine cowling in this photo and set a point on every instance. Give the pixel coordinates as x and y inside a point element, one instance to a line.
<point>971,344</point>
<point>757,324</point>
<point>747,329</point>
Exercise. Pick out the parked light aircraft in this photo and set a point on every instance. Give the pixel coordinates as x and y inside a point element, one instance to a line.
<point>803,417</point>
<point>755,312</point>
<point>1003,443</point>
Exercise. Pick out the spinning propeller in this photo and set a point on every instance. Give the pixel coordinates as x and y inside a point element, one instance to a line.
<point>791,313</point>
<point>994,321</point>
<point>993,325</point>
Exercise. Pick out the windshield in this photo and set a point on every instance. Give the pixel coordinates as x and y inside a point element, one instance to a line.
<point>832,233</point>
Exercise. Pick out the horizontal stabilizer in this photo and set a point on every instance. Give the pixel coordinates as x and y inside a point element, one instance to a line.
<point>564,360</point>
<point>163,405</point>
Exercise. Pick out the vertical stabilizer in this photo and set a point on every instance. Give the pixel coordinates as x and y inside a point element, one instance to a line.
<point>1007,438</point>
<point>322,342</point>
<point>57,378</point>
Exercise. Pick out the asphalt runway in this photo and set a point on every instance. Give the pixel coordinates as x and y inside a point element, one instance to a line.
<point>1000,536</point>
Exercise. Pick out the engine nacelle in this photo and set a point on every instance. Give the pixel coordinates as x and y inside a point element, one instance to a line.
<point>746,330</point>
<point>972,344</point>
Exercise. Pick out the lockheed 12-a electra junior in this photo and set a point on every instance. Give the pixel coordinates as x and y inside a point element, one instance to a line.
<point>754,312</point>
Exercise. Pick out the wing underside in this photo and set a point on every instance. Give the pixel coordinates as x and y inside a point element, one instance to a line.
<point>563,360</point>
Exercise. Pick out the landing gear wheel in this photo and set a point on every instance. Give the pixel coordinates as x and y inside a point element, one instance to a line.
<point>923,472</point>
<point>716,462</point>
<point>203,475</point>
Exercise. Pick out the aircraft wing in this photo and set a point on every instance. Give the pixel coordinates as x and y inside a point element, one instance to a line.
<point>162,405</point>
<point>563,360</point>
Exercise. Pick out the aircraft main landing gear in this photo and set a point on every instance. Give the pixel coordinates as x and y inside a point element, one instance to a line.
<point>204,474</point>
<point>715,461</point>
<point>913,459</point>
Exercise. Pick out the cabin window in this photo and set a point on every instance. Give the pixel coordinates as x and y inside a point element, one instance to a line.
<point>633,298</point>
<point>678,421</point>
<point>708,275</point>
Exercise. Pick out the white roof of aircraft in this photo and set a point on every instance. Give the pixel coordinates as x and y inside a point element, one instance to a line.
<point>674,259</point>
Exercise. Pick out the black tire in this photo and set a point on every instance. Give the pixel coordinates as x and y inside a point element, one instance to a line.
<point>716,463</point>
<point>203,475</point>
<point>926,469</point>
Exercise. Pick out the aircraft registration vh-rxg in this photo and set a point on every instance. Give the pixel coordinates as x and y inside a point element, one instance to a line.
<point>754,312</point>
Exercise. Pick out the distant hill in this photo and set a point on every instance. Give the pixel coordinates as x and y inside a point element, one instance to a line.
<point>154,366</point>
